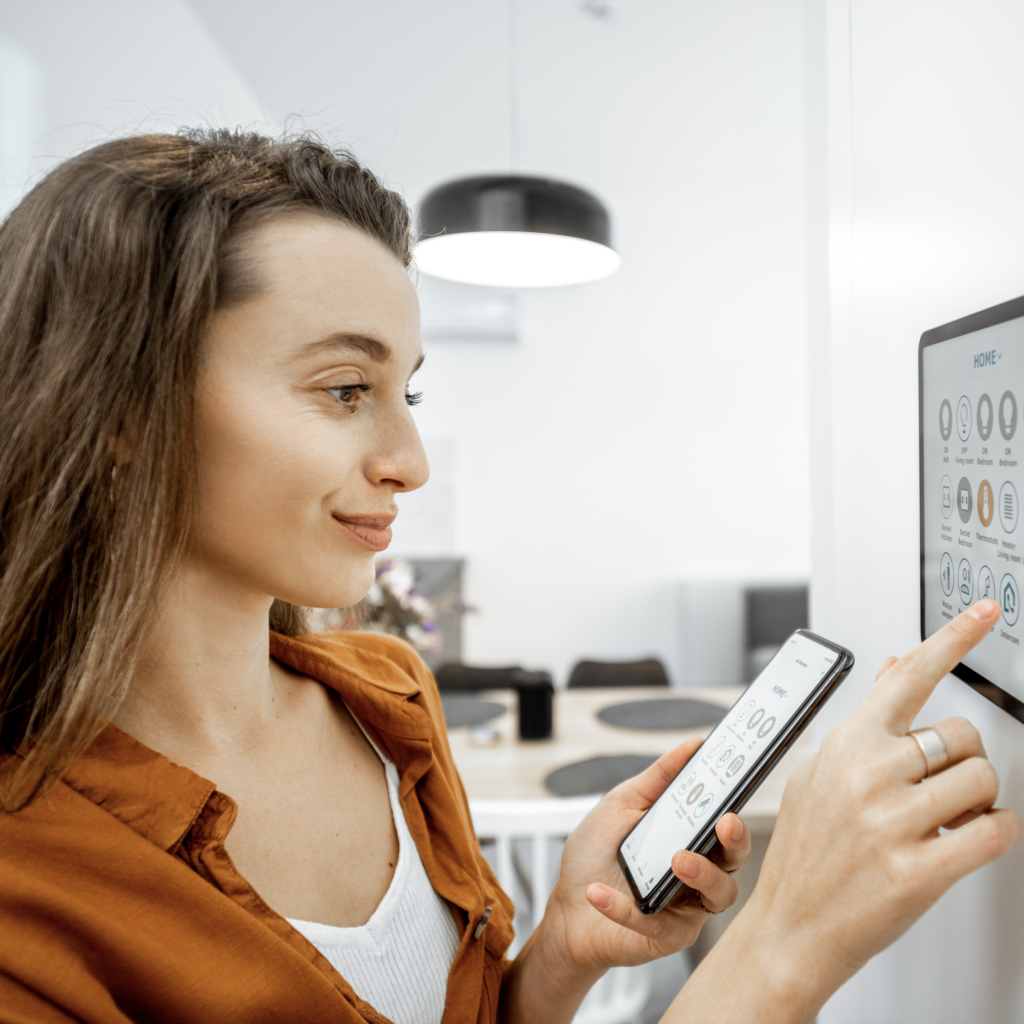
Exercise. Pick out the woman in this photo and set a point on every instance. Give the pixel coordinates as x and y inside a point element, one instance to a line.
<point>208,342</point>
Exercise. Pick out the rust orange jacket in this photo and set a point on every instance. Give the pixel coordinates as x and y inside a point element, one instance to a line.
<point>119,902</point>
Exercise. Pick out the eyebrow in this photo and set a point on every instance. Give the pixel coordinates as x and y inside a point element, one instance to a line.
<point>378,351</point>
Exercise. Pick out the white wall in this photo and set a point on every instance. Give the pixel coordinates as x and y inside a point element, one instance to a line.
<point>647,429</point>
<point>76,73</point>
<point>920,207</point>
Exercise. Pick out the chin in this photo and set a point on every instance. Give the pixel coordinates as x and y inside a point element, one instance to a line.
<point>348,587</point>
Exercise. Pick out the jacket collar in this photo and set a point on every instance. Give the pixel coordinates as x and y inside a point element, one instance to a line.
<point>141,788</point>
<point>360,667</point>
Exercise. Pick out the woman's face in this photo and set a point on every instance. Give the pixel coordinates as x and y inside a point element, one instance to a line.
<point>303,430</point>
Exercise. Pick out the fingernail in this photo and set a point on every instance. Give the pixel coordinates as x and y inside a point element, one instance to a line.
<point>983,610</point>
<point>690,866</point>
<point>599,897</point>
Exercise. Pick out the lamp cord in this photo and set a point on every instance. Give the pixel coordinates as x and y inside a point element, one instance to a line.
<point>513,84</point>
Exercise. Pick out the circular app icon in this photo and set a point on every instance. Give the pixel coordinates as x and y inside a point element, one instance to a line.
<point>963,418</point>
<point>1009,599</point>
<point>964,498</point>
<point>716,747</point>
<point>1008,415</point>
<point>946,497</point>
<point>965,581</point>
<point>985,417</point>
<point>701,808</point>
<point>686,783</point>
<point>945,419</point>
<point>745,710</point>
<point>986,584</point>
<point>946,573</point>
<point>726,756</point>
<point>1007,507</point>
<point>986,502</point>
<point>695,794</point>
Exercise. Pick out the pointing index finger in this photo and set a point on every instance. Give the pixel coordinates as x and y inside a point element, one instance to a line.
<point>900,693</point>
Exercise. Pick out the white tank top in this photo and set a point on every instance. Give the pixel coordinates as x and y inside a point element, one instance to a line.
<point>399,961</point>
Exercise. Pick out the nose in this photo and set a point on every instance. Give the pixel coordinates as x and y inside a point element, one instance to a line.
<point>398,461</point>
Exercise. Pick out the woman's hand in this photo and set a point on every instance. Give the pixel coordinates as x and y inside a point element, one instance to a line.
<point>591,880</point>
<point>857,854</point>
<point>591,922</point>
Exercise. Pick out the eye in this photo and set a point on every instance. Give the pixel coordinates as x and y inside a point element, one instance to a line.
<point>346,393</point>
<point>414,399</point>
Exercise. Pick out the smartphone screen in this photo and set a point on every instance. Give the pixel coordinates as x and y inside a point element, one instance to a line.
<point>700,793</point>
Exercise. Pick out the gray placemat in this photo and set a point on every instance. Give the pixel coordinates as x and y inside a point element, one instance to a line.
<point>597,774</point>
<point>663,713</point>
<point>462,711</point>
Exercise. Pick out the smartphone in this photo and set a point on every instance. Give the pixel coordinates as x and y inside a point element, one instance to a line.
<point>731,763</point>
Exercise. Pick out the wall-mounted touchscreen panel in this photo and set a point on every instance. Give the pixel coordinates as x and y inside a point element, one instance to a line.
<point>972,482</point>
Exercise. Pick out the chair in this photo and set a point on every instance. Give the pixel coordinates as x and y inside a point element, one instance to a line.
<point>455,677</point>
<point>649,672</point>
<point>772,613</point>
<point>542,825</point>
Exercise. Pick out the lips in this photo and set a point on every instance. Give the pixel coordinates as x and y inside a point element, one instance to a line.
<point>373,532</point>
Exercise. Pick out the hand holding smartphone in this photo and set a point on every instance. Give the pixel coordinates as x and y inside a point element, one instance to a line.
<point>731,763</point>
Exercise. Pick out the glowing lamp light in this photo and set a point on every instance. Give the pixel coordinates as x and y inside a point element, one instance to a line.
<point>515,231</point>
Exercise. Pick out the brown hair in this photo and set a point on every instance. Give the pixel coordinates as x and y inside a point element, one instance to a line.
<point>110,269</point>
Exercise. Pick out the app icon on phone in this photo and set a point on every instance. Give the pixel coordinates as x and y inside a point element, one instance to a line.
<point>698,811</point>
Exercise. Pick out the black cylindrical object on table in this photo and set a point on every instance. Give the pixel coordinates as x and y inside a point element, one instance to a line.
<point>536,706</point>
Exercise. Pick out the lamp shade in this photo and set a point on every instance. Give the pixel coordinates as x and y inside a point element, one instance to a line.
<point>514,231</point>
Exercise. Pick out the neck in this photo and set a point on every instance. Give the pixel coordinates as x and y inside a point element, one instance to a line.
<point>206,684</point>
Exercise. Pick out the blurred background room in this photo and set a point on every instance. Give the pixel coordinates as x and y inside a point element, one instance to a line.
<point>641,483</point>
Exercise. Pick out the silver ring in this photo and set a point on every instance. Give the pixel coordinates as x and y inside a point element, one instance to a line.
<point>936,757</point>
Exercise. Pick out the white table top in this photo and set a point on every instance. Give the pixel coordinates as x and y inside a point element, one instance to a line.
<point>514,769</point>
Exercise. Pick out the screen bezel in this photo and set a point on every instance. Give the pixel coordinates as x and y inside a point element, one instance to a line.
<point>704,842</point>
<point>1005,311</point>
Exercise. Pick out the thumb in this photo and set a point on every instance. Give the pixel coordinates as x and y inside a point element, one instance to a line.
<point>619,908</point>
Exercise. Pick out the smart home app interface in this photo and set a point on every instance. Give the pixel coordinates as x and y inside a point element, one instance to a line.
<point>725,759</point>
<point>973,446</point>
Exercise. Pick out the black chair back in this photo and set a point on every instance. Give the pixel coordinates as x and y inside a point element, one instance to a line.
<point>772,614</point>
<point>458,677</point>
<point>649,672</point>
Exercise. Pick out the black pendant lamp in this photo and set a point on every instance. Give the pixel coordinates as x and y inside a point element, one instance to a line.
<point>515,231</point>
